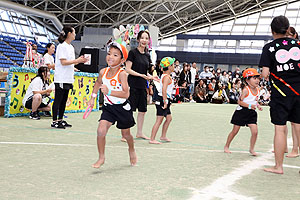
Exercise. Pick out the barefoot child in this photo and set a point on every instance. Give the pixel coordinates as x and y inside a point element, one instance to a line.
<point>113,83</point>
<point>245,113</point>
<point>164,101</point>
<point>280,63</point>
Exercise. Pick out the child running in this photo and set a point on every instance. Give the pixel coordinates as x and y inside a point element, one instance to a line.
<point>113,83</point>
<point>163,102</point>
<point>245,113</point>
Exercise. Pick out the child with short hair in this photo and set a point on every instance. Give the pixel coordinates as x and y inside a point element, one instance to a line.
<point>245,113</point>
<point>164,101</point>
<point>280,63</point>
<point>113,83</point>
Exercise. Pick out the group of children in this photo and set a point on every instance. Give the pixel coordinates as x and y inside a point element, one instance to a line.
<point>112,81</point>
<point>279,63</point>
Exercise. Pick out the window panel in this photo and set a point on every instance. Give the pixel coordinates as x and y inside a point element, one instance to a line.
<point>2,27</point>
<point>4,15</point>
<point>9,27</point>
<point>20,30</point>
<point>27,31</point>
<point>268,13</point>
<point>216,27</point>
<point>291,13</point>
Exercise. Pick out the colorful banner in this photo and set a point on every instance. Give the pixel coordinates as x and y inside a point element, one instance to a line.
<point>20,78</point>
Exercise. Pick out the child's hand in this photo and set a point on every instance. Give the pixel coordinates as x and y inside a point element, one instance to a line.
<point>104,89</point>
<point>259,107</point>
<point>253,107</point>
<point>91,102</point>
<point>165,105</point>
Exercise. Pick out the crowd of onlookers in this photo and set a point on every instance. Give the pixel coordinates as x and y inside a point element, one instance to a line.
<point>210,85</point>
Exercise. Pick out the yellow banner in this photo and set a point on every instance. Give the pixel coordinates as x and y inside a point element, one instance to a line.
<point>20,78</point>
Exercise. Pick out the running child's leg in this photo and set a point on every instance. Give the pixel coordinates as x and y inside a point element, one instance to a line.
<point>165,128</point>
<point>101,133</point>
<point>230,137</point>
<point>254,131</point>
<point>279,148</point>
<point>294,153</point>
<point>132,155</point>
<point>155,128</point>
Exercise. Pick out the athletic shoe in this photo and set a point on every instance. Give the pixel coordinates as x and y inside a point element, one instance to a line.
<point>47,114</point>
<point>57,125</point>
<point>65,124</point>
<point>34,115</point>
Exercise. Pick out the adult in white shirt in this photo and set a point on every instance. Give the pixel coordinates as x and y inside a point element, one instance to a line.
<point>37,92</point>
<point>206,74</point>
<point>48,58</point>
<point>64,75</point>
<point>193,77</point>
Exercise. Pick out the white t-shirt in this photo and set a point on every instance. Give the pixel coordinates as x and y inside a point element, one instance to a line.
<point>35,85</point>
<point>64,73</point>
<point>193,74</point>
<point>48,59</point>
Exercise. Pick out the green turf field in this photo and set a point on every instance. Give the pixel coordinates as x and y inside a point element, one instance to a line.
<point>38,162</point>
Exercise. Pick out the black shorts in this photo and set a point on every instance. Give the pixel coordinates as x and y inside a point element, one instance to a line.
<point>244,117</point>
<point>28,104</point>
<point>159,107</point>
<point>283,109</point>
<point>120,113</point>
<point>138,99</point>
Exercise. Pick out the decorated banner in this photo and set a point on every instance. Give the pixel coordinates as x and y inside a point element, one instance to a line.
<point>20,78</point>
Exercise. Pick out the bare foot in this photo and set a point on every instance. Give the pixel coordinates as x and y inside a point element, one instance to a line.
<point>143,137</point>
<point>226,150</point>
<point>165,139</point>
<point>98,163</point>
<point>253,153</point>
<point>123,140</point>
<point>132,157</point>
<point>292,155</point>
<point>154,142</point>
<point>274,170</point>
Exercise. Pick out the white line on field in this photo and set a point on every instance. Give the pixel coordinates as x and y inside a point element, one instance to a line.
<point>221,188</point>
<point>88,145</point>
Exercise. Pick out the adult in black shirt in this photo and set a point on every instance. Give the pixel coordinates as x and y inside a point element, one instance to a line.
<point>137,65</point>
<point>280,58</point>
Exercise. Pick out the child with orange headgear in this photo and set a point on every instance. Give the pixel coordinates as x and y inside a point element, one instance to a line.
<point>113,83</point>
<point>245,114</point>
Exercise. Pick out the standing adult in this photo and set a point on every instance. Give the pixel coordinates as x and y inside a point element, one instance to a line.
<point>283,72</point>
<point>64,75</point>
<point>193,77</point>
<point>48,58</point>
<point>137,66</point>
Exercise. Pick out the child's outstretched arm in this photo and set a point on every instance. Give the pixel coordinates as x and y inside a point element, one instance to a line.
<point>97,85</point>
<point>242,97</point>
<point>125,88</point>
<point>165,82</point>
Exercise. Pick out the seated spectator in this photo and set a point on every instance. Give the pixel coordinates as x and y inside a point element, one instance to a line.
<point>211,89</point>
<point>206,74</point>
<point>37,95</point>
<point>183,95</point>
<point>200,95</point>
<point>233,95</point>
<point>220,95</point>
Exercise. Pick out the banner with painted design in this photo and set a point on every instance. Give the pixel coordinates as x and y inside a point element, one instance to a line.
<point>20,78</point>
